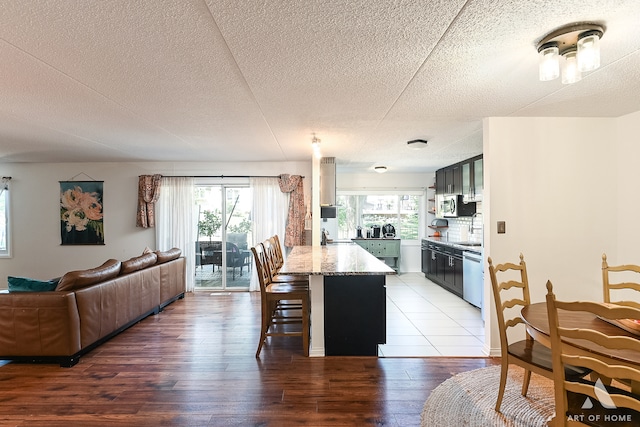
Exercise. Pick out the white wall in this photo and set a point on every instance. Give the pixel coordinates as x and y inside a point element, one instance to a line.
<point>627,192</point>
<point>35,204</point>
<point>561,185</point>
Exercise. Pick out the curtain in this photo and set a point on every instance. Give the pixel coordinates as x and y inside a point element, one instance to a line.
<point>176,223</point>
<point>294,235</point>
<point>148,192</point>
<point>269,214</point>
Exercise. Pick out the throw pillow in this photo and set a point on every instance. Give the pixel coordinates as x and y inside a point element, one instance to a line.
<point>25,284</point>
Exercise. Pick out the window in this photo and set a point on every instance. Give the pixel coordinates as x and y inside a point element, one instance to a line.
<point>5,247</point>
<point>365,209</point>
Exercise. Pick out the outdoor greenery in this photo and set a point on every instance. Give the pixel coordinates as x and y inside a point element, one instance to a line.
<point>243,227</point>
<point>210,224</point>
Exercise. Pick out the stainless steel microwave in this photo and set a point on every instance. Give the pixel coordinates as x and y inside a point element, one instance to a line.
<point>453,206</point>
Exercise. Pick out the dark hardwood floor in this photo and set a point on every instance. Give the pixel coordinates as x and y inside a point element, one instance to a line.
<point>194,365</point>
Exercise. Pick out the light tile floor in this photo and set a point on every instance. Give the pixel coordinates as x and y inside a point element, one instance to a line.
<point>423,319</point>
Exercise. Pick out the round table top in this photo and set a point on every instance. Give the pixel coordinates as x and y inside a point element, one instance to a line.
<point>535,317</point>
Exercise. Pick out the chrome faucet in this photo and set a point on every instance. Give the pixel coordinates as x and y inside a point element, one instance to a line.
<point>471,226</point>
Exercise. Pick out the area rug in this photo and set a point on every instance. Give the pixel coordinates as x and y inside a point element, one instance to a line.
<point>469,399</point>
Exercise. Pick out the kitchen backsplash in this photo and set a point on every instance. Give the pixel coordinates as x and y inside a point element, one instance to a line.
<point>460,228</point>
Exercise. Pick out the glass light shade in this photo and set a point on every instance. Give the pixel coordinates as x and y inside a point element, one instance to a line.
<point>589,52</point>
<point>549,66</point>
<point>570,71</point>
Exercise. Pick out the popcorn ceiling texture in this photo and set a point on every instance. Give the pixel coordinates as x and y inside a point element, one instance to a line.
<point>241,80</point>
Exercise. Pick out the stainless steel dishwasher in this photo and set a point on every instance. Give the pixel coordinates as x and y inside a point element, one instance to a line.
<point>473,278</point>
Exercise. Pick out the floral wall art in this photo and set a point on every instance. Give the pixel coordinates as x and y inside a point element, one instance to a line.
<point>81,216</point>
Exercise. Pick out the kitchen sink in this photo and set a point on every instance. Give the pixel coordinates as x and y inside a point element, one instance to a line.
<point>470,244</point>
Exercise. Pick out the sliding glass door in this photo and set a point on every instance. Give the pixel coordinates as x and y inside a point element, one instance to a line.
<point>223,255</point>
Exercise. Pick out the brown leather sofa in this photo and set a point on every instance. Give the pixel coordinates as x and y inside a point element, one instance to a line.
<point>88,307</point>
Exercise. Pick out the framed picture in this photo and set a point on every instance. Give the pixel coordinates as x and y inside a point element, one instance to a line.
<point>81,215</point>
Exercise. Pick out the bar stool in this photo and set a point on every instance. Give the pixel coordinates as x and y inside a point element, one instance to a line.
<point>275,260</point>
<point>282,304</point>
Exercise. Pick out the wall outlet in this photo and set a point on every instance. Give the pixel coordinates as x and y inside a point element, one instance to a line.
<point>502,227</point>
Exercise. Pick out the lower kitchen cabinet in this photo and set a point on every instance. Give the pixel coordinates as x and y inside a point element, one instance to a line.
<point>453,274</point>
<point>445,267</point>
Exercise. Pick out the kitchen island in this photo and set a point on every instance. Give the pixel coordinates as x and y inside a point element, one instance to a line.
<point>347,287</point>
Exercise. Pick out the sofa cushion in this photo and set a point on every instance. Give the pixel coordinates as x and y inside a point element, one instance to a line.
<point>25,284</point>
<point>138,263</point>
<point>74,280</point>
<point>168,255</point>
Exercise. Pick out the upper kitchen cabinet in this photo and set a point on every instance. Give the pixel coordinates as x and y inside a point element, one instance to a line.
<point>478,178</point>
<point>471,172</point>
<point>449,180</point>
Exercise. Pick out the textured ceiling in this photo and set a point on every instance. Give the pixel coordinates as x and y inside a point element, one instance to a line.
<point>248,80</point>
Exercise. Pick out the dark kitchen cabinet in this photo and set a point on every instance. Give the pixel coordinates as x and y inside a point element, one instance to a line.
<point>453,273</point>
<point>478,177</point>
<point>449,180</point>
<point>454,177</point>
<point>461,178</point>
<point>467,179</point>
<point>441,263</point>
<point>425,263</point>
<point>445,267</point>
<point>472,179</point>
<point>441,185</point>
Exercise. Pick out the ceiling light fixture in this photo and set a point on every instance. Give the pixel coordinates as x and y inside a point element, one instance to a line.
<point>380,169</point>
<point>579,44</point>
<point>315,144</point>
<point>417,144</point>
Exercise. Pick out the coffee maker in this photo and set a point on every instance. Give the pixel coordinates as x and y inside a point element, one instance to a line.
<point>375,232</point>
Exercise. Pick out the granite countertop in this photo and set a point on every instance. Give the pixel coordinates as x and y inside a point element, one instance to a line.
<point>465,246</point>
<point>334,260</point>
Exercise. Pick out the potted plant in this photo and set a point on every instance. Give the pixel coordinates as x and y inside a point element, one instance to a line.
<point>210,224</point>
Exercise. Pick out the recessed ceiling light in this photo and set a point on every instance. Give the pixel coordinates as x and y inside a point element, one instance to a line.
<point>380,169</point>
<point>417,144</point>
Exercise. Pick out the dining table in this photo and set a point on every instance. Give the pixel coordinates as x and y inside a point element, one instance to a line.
<point>347,287</point>
<point>537,323</point>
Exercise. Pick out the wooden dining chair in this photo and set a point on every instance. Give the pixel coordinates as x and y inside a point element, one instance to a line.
<point>282,305</point>
<point>602,400</point>
<point>510,295</point>
<point>624,286</point>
